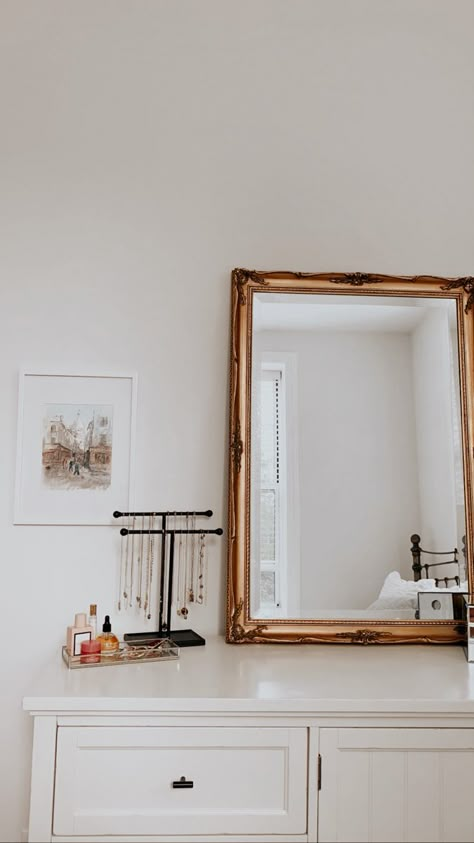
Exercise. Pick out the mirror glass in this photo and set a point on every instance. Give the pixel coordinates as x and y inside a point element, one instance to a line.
<point>355,447</point>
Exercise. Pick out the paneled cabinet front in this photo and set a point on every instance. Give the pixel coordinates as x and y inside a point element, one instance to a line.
<point>132,781</point>
<point>411,785</point>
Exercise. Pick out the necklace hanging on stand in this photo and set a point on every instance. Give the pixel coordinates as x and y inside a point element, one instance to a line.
<point>132,561</point>
<point>183,609</point>
<point>140,564</point>
<point>192,573</point>
<point>127,554</point>
<point>148,567</point>
<point>152,549</point>
<point>202,572</point>
<point>122,564</point>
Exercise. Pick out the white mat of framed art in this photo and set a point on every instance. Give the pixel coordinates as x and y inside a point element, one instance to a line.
<point>75,447</point>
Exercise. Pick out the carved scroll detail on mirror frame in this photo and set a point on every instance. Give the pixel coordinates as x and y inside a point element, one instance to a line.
<point>241,277</point>
<point>241,627</point>
<point>356,279</point>
<point>467,284</point>
<point>238,633</point>
<point>237,447</point>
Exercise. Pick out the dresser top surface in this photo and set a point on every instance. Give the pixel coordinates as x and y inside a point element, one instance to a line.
<point>224,677</point>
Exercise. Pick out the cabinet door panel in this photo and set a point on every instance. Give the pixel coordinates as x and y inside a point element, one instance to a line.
<point>396,786</point>
<point>386,771</point>
<point>119,780</point>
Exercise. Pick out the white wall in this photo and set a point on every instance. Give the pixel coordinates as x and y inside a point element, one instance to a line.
<point>147,147</point>
<point>358,483</point>
<point>433,393</point>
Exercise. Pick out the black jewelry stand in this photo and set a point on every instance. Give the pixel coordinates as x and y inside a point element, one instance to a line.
<point>181,637</point>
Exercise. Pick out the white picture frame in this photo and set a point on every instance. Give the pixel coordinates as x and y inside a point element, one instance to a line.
<point>75,446</point>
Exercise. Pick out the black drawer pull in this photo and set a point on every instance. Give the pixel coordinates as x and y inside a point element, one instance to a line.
<point>183,783</point>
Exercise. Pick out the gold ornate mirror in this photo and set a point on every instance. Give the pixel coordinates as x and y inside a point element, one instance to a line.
<point>350,497</point>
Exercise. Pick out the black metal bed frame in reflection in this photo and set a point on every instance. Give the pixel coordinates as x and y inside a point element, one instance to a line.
<point>181,637</point>
<point>419,568</point>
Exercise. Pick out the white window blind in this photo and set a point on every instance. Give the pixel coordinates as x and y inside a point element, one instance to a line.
<point>270,486</point>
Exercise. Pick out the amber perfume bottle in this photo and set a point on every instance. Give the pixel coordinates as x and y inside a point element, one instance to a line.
<point>109,643</point>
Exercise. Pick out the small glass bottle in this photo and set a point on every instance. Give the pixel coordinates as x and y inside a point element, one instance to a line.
<point>92,619</point>
<point>109,643</point>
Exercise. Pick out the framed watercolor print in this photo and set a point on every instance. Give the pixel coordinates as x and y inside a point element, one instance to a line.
<point>75,447</point>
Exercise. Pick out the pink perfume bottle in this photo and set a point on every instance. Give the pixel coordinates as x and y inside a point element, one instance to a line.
<point>81,631</point>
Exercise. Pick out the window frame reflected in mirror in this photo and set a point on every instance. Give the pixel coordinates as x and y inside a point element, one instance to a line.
<point>243,624</point>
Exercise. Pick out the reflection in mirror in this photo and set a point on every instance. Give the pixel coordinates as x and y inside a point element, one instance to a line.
<point>356,447</point>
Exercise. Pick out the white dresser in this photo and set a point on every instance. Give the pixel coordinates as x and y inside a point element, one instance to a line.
<point>257,743</point>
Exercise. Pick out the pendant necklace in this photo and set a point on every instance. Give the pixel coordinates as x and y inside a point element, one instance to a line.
<point>127,548</point>
<point>132,561</point>
<point>202,569</point>
<point>147,569</point>
<point>193,556</point>
<point>140,564</point>
<point>152,549</point>
<point>122,562</point>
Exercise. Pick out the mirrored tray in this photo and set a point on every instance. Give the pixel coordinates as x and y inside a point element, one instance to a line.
<point>149,650</point>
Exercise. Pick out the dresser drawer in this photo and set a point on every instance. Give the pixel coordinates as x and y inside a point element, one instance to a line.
<point>136,781</point>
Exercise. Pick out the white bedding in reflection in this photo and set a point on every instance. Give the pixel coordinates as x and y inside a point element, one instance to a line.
<point>397,593</point>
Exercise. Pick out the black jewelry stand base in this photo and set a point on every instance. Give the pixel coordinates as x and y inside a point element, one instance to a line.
<point>186,638</point>
<point>181,637</point>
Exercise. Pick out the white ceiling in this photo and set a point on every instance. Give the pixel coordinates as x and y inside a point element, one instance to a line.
<point>296,312</point>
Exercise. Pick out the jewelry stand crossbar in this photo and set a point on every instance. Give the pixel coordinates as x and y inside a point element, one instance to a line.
<point>181,637</point>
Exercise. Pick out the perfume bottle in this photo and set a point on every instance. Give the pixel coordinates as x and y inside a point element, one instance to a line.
<point>109,643</point>
<point>92,619</point>
<point>78,633</point>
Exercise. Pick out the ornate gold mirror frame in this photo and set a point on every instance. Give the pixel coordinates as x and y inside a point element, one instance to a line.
<point>241,628</point>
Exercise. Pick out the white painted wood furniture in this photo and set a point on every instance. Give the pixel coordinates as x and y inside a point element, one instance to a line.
<point>280,744</point>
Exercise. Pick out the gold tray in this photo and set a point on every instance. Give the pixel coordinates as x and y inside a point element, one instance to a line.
<point>153,650</point>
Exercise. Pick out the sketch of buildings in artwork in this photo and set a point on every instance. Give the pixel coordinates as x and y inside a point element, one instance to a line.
<point>77,446</point>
